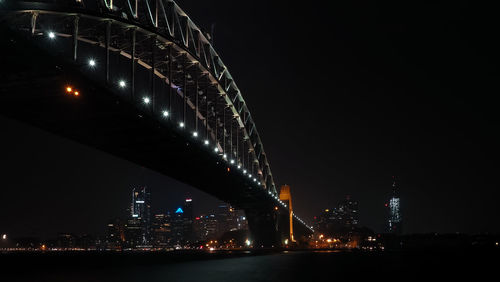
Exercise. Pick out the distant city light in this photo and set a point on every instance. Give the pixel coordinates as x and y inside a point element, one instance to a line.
<point>92,63</point>
<point>122,83</point>
<point>244,171</point>
<point>232,161</point>
<point>195,134</point>
<point>247,242</point>
<point>224,156</point>
<point>165,113</point>
<point>52,35</point>
<point>76,93</point>
<point>4,236</point>
<point>239,166</point>
<point>216,149</point>
<point>146,100</point>
<point>69,89</point>
<point>181,124</point>
<point>206,142</point>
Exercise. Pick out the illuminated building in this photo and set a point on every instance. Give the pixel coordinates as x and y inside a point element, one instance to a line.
<point>66,240</point>
<point>115,234</point>
<point>340,220</point>
<point>133,233</point>
<point>348,213</point>
<point>206,227</point>
<point>395,221</point>
<point>188,220</point>
<point>162,230</point>
<point>141,215</point>
<point>182,224</point>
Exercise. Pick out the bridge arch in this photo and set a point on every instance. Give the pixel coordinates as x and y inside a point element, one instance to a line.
<point>159,54</point>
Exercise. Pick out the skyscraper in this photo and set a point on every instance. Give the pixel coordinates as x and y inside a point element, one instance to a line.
<point>141,213</point>
<point>348,211</point>
<point>395,222</point>
<point>162,230</point>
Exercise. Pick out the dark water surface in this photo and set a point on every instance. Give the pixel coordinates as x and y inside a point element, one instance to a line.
<point>422,265</point>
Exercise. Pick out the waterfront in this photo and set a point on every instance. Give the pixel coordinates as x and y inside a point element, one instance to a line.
<point>247,265</point>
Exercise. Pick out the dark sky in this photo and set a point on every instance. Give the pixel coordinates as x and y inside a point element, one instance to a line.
<point>344,95</point>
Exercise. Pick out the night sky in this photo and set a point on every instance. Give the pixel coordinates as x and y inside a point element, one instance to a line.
<point>344,97</point>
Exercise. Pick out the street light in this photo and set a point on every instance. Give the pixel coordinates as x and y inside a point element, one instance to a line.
<point>52,35</point>
<point>122,83</point>
<point>92,62</point>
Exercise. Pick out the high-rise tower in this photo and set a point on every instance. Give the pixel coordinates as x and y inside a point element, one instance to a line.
<point>395,220</point>
<point>141,213</point>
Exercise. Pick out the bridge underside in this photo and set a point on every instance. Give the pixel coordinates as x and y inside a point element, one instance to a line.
<point>32,91</point>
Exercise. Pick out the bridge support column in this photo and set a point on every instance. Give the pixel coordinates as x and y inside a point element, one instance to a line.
<point>107,38</point>
<point>34,16</point>
<point>153,62</point>
<point>132,65</point>
<point>75,38</point>
<point>263,227</point>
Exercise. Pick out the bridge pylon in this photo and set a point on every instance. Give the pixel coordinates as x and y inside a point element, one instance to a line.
<point>286,195</point>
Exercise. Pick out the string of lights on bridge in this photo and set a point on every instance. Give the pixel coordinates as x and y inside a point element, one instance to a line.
<point>92,64</point>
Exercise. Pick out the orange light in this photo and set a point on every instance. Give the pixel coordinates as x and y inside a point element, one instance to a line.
<point>77,93</point>
<point>275,208</point>
<point>69,89</point>
<point>228,169</point>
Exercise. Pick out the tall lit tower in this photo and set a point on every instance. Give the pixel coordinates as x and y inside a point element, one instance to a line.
<point>141,211</point>
<point>395,220</point>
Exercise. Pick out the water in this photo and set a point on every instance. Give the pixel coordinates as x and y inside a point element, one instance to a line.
<point>248,266</point>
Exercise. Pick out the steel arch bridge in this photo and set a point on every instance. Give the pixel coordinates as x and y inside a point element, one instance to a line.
<point>150,54</point>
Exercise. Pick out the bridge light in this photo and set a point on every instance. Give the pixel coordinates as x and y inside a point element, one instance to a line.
<point>122,83</point>
<point>146,100</point>
<point>195,134</point>
<point>76,93</point>
<point>216,149</point>
<point>244,171</point>
<point>52,35</point>
<point>92,63</point>
<point>206,142</point>
<point>247,242</point>
<point>231,161</point>
<point>181,124</point>
<point>69,89</point>
<point>239,166</point>
<point>165,113</point>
